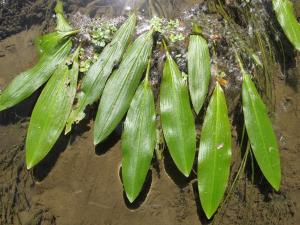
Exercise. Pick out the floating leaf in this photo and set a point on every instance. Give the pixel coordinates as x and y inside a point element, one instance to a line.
<point>138,140</point>
<point>121,86</point>
<point>214,153</point>
<point>287,19</point>
<point>177,117</point>
<point>94,81</point>
<point>51,112</point>
<point>260,132</point>
<point>199,70</point>
<point>28,82</point>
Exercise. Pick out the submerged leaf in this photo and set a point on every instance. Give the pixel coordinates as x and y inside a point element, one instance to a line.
<point>199,70</point>
<point>260,132</point>
<point>95,79</point>
<point>214,153</point>
<point>177,117</point>
<point>121,86</point>
<point>51,111</point>
<point>287,19</point>
<point>29,81</point>
<point>138,140</point>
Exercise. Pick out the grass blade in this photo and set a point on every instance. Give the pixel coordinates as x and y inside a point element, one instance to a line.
<point>287,19</point>
<point>94,81</point>
<point>62,24</point>
<point>177,117</point>
<point>51,111</point>
<point>121,86</point>
<point>199,70</point>
<point>28,82</point>
<point>260,132</point>
<point>214,153</point>
<point>138,140</point>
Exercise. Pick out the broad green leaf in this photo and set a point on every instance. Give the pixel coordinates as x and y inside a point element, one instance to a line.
<point>199,70</point>
<point>62,24</point>
<point>214,153</point>
<point>287,19</point>
<point>260,132</point>
<point>50,43</point>
<point>177,117</point>
<point>94,81</point>
<point>28,82</point>
<point>121,86</point>
<point>51,111</point>
<point>138,140</point>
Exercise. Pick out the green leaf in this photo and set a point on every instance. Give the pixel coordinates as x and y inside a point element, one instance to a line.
<point>138,140</point>
<point>287,19</point>
<point>94,81</point>
<point>121,86</point>
<point>177,117</point>
<point>50,43</point>
<point>62,24</point>
<point>214,153</point>
<point>51,111</point>
<point>260,132</point>
<point>28,82</point>
<point>199,70</point>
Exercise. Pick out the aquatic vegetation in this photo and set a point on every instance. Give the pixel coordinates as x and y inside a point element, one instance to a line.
<point>214,153</point>
<point>177,117</point>
<point>287,19</point>
<point>113,75</point>
<point>138,139</point>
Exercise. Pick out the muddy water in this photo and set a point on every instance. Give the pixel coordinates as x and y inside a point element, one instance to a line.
<point>80,184</point>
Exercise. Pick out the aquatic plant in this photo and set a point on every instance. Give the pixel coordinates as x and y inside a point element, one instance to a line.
<point>114,76</point>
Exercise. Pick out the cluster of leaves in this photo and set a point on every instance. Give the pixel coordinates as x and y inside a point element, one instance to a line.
<point>101,35</point>
<point>120,91</point>
<point>170,29</point>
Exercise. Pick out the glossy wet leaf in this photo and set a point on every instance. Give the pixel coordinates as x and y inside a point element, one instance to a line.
<point>29,81</point>
<point>121,86</point>
<point>94,81</point>
<point>199,70</point>
<point>260,131</point>
<point>51,111</point>
<point>177,117</point>
<point>214,153</point>
<point>287,19</point>
<point>138,141</point>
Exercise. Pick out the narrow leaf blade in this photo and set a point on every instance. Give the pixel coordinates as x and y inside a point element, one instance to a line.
<point>214,153</point>
<point>177,117</point>
<point>199,70</point>
<point>138,141</point>
<point>94,81</point>
<point>121,86</point>
<point>51,112</point>
<point>287,19</point>
<point>262,137</point>
<point>29,81</point>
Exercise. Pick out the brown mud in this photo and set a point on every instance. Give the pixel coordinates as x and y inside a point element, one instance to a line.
<point>78,184</point>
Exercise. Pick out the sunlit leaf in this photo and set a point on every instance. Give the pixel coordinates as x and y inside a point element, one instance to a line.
<point>28,82</point>
<point>121,86</point>
<point>62,24</point>
<point>51,111</point>
<point>138,140</point>
<point>177,117</point>
<point>262,137</point>
<point>214,153</point>
<point>287,19</point>
<point>199,70</point>
<point>94,81</point>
